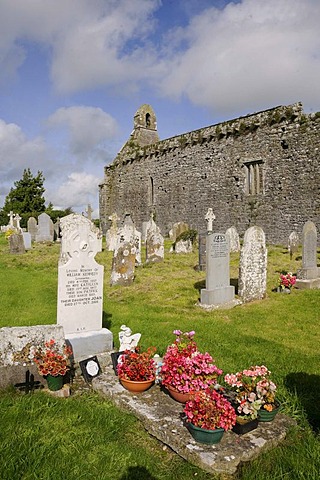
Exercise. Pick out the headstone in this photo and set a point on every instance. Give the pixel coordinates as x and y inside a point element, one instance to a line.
<point>137,244</point>
<point>32,228</point>
<point>26,240</point>
<point>293,243</point>
<point>127,340</point>
<point>45,229</point>
<point>124,256</point>
<point>89,212</point>
<point>154,243</point>
<point>57,230</point>
<point>177,229</point>
<point>10,215</point>
<point>309,275</point>
<point>16,244</point>
<point>253,266</point>
<point>210,217</point>
<point>144,231</point>
<point>218,290</point>
<point>16,222</point>
<point>80,288</point>
<point>112,233</point>
<point>233,238</point>
<point>183,246</point>
<point>202,251</point>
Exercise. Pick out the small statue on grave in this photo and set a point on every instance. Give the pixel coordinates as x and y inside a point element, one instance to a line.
<point>127,340</point>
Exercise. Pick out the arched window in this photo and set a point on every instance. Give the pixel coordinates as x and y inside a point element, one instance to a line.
<point>148,120</point>
<point>151,191</point>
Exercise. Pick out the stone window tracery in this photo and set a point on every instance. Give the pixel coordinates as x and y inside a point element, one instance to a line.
<point>254,177</point>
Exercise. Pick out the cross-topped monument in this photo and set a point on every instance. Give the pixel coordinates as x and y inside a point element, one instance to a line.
<point>17,220</point>
<point>89,211</point>
<point>10,214</point>
<point>210,216</point>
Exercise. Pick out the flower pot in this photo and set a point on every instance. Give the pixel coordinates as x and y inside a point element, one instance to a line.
<point>179,396</point>
<point>54,382</point>
<point>245,426</point>
<point>136,386</point>
<point>265,416</point>
<point>202,435</point>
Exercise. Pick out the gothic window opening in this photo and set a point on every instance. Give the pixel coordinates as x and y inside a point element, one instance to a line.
<point>148,120</point>
<point>254,178</point>
<point>151,191</point>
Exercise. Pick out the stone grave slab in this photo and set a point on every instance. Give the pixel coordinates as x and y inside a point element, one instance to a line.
<point>162,418</point>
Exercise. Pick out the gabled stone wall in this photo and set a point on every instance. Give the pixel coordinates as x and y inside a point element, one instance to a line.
<point>262,169</point>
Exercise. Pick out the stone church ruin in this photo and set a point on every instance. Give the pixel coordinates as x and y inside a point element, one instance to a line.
<point>262,169</point>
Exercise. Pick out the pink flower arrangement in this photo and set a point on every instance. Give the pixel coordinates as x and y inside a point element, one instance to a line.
<point>287,280</point>
<point>52,360</point>
<point>251,390</point>
<point>209,409</point>
<point>186,369</point>
<point>136,365</point>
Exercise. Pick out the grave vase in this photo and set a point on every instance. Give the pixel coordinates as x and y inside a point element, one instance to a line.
<point>135,386</point>
<point>201,435</point>
<point>244,426</point>
<point>179,396</point>
<point>265,416</point>
<point>54,382</point>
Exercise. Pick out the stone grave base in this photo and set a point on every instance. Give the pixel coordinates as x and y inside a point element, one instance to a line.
<point>88,344</point>
<point>162,418</point>
<point>308,284</point>
<point>217,296</point>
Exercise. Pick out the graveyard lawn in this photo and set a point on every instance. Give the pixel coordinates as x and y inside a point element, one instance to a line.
<point>87,437</point>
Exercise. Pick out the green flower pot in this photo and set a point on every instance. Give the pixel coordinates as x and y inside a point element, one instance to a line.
<point>54,383</point>
<point>202,435</point>
<point>265,416</point>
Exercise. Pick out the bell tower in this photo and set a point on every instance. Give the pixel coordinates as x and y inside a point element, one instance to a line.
<point>145,126</point>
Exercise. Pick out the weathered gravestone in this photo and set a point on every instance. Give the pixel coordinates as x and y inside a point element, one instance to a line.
<point>183,246</point>
<point>233,239</point>
<point>177,229</point>
<point>154,243</point>
<point>32,227</point>
<point>45,229</point>
<point>16,344</point>
<point>16,244</point>
<point>124,257</point>
<point>57,230</point>
<point>112,233</point>
<point>293,243</point>
<point>10,215</point>
<point>253,266</point>
<point>309,275</point>
<point>80,288</point>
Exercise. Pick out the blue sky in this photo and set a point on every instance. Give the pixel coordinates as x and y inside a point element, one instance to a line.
<point>73,73</point>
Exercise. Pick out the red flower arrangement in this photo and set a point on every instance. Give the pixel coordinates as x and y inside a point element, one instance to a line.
<point>51,360</point>
<point>186,369</point>
<point>209,410</point>
<point>287,280</point>
<point>136,365</point>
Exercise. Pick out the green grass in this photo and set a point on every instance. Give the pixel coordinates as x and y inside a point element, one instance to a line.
<point>86,437</point>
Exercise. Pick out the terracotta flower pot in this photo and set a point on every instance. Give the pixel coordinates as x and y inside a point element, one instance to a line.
<point>136,386</point>
<point>179,396</point>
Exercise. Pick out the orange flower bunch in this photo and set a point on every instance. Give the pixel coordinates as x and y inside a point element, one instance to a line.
<point>51,360</point>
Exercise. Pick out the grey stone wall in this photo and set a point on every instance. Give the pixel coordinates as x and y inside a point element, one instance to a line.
<point>262,169</point>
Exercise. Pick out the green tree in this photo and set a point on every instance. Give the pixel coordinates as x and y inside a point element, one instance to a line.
<point>54,214</point>
<point>26,198</point>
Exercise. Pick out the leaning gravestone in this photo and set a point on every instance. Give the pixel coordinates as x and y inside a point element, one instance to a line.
<point>80,288</point>
<point>16,244</point>
<point>111,235</point>
<point>293,243</point>
<point>45,229</point>
<point>218,291</point>
<point>124,256</point>
<point>253,266</point>
<point>32,228</point>
<point>233,238</point>
<point>309,275</point>
<point>177,229</point>
<point>154,243</point>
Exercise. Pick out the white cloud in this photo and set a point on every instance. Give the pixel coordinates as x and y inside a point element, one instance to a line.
<point>77,191</point>
<point>251,54</point>
<point>17,152</point>
<point>87,129</point>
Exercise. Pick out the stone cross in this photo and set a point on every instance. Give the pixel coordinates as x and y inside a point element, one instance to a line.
<point>210,216</point>
<point>17,219</point>
<point>89,211</point>
<point>10,214</point>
